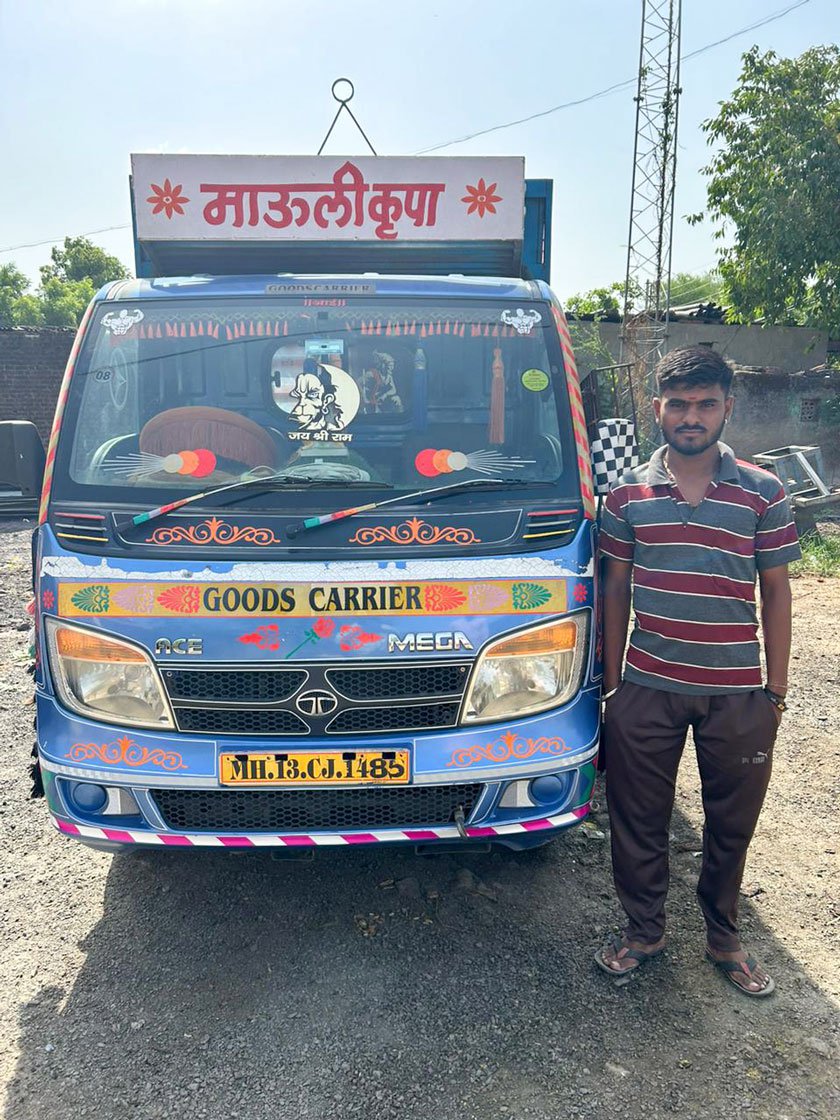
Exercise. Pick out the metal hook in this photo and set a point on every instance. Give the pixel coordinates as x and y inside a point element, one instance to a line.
<point>349,97</point>
<point>343,103</point>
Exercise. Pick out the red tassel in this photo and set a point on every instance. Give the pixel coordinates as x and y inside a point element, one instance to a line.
<point>422,330</point>
<point>496,429</point>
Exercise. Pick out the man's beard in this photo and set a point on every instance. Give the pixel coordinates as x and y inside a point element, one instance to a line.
<point>677,441</point>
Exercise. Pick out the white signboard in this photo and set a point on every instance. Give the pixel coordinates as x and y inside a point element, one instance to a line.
<point>328,198</point>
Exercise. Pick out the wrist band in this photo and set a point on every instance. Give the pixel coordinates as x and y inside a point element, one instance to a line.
<point>612,692</point>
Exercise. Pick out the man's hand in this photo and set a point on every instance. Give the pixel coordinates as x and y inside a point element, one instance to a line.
<point>616,592</point>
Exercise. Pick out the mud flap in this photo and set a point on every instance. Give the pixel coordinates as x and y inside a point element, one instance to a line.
<point>35,775</point>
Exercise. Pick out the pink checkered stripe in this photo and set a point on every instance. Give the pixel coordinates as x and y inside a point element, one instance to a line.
<point>317,839</point>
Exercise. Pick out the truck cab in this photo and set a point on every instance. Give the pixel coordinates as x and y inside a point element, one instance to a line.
<point>315,555</point>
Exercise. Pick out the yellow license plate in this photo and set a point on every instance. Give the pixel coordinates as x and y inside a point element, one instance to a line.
<point>300,768</point>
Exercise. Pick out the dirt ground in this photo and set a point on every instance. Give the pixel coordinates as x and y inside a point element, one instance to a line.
<point>232,987</point>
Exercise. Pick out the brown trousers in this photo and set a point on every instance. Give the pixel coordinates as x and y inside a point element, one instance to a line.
<point>644,735</point>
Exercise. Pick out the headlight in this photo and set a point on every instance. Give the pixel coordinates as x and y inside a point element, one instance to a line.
<point>105,678</point>
<point>536,669</point>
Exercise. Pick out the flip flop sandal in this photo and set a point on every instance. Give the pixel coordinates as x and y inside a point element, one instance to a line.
<point>632,954</point>
<point>727,968</point>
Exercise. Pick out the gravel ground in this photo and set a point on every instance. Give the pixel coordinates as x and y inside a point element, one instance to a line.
<point>232,987</point>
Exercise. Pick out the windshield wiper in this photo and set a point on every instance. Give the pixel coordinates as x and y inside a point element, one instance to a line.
<point>270,481</point>
<point>420,496</point>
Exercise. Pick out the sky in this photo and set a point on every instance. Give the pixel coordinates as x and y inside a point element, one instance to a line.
<point>83,83</point>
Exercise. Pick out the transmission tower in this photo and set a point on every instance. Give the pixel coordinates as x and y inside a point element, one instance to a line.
<point>647,283</point>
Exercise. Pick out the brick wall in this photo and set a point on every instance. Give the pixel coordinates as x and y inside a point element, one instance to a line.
<point>32,362</point>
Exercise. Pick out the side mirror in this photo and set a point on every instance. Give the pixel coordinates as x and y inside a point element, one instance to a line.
<point>22,459</point>
<point>614,451</point>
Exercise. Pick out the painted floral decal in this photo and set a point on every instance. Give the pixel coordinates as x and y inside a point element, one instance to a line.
<point>440,597</point>
<point>167,198</point>
<point>93,600</point>
<point>139,598</point>
<point>529,596</point>
<point>214,531</point>
<point>47,600</point>
<point>580,593</point>
<point>183,599</point>
<point>264,637</point>
<point>353,637</point>
<point>320,629</point>
<point>125,752</point>
<point>506,747</point>
<point>481,198</point>
<point>414,531</point>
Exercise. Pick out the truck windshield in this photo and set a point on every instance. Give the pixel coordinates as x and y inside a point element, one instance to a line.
<point>178,396</point>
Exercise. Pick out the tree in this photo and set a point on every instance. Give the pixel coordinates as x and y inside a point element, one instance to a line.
<point>696,287</point>
<point>80,259</point>
<point>68,284</point>
<point>63,302</point>
<point>774,188</point>
<point>17,308</point>
<point>600,303</point>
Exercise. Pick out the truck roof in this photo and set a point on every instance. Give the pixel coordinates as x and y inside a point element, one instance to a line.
<point>180,287</point>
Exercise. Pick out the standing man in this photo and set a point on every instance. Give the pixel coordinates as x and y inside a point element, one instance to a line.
<point>690,530</point>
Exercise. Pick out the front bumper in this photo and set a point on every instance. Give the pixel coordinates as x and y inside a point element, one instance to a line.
<point>498,761</point>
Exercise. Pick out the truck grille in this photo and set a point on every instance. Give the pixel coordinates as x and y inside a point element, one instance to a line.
<point>409,717</point>
<point>240,721</point>
<point>326,810</point>
<point>400,682</point>
<point>369,699</point>
<point>241,686</point>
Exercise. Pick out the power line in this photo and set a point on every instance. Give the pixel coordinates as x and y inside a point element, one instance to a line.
<point>498,127</point>
<point>613,88</point>
<point>55,240</point>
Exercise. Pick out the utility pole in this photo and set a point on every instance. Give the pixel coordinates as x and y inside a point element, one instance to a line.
<point>647,286</point>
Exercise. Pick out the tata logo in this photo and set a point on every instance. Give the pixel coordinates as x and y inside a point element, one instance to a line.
<point>316,702</point>
<point>427,642</point>
<point>193,646</point>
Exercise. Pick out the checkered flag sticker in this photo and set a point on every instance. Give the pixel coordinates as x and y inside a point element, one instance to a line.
<point>614,451</point>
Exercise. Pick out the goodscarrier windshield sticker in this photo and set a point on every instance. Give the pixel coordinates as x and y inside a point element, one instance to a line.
<point>323,399</point>
<point>523,322</point>
<point>120,323</point>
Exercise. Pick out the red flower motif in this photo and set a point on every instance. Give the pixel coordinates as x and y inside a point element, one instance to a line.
<point>580,592</point>
<point>48,600</point>
<point>324,627</point>
<point>167,198</point>
<point>481,198</point>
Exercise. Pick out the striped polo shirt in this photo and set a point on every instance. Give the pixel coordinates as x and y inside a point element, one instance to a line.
<point>694,571</point>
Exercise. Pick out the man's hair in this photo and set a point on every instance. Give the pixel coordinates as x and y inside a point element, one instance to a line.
<point>691,366</point>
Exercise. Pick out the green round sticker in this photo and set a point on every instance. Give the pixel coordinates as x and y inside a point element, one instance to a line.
<point>535,379</point>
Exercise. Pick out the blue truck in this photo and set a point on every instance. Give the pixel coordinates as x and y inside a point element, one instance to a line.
<point>315,560</point>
